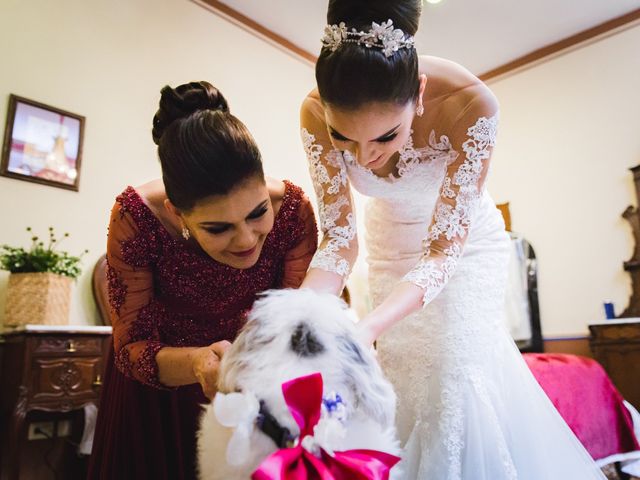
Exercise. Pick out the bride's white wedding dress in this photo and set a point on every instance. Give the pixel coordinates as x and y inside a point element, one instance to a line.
<point>468,406</point>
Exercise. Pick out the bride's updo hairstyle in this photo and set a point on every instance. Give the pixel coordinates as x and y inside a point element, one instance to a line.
<point>203,149</point>
<point>354,75</point>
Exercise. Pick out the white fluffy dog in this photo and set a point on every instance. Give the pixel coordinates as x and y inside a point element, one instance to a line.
<point>289,334</point>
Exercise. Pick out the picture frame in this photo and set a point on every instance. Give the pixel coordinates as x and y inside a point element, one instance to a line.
<point>42,144</point>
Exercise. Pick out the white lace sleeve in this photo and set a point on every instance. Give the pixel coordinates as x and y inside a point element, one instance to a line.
<point>338,248</point>
<point>459,195</point>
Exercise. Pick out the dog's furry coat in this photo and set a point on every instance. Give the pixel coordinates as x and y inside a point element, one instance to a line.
<point>289,334</point>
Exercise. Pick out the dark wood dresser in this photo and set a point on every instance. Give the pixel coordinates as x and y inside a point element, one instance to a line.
<point>45,369</point>
<point>616,345</point>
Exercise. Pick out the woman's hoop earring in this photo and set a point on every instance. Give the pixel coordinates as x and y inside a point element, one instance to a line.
<point>186,234</point>
<point>419,110</point>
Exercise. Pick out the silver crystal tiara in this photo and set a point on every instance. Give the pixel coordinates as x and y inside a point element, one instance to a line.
<point>382,36</point>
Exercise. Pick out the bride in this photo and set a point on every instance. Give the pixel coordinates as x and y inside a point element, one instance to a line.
<point>416,134</point>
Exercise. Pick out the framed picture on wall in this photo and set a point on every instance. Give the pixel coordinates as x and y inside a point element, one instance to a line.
<point>42,144</point>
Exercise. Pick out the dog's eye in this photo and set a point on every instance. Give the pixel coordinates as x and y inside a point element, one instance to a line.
<point>304,342</point>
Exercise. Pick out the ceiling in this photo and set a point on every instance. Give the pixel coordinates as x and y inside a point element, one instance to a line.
<point>480,34</point>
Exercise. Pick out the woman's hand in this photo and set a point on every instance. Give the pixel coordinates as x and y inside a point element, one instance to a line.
<point>364,333</point>
<point>206,365</point>
<point>323,281</point>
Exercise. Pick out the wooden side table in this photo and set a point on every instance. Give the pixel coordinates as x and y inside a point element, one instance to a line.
<point>616,345</point>
<point>46,368</point>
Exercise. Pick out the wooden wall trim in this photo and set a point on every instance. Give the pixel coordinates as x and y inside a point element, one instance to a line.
<point>255,28</point>
<point>607,27</point>
<point>536,56</point>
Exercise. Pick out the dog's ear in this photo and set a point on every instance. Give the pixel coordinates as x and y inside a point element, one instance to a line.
<point>372,392</point>
<point>353,350</point>
<point>304,342</point>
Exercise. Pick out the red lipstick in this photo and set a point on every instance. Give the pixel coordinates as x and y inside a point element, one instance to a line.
<point>245,253</point>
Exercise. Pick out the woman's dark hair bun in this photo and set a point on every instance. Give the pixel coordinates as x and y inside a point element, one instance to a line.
<point>354,75</point>
<point>359,14</point>
<point>183,101</point>
<point>203,149</point>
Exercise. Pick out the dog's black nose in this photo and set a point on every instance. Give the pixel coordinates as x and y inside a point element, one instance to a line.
<point>304,343</point>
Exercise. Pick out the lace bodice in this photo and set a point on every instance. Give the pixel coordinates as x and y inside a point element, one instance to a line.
<point>441,182</point>
<point>419,173</point>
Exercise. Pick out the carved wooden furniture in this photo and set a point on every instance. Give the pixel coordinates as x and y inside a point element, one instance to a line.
<point>505,210</point>
<point>616,345</point>
<point>47,369</point>
<point>632,215</point>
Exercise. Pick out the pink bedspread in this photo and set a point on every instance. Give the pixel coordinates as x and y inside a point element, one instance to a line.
<point>587,400</point>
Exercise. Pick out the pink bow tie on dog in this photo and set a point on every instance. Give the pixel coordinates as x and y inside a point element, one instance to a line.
<point>304,398</point>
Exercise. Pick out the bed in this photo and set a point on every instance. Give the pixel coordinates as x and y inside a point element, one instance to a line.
<point>579,387</point>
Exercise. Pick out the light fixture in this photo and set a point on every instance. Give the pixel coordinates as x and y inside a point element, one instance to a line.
<point>434,1</point>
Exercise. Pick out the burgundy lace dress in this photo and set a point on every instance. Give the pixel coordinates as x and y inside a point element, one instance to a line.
<point>164,292</point>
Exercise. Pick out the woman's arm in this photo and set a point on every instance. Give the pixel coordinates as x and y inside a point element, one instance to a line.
<point>186,365</point>
<point>139,352</point>
<point>338,250</point>
<point>473,138</point>
<point>404,299</point>
<point>323,281</point>
<point>298,258</point>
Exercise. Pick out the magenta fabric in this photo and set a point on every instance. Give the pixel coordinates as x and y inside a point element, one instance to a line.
<point>587,400</point>
<point>304,398</point>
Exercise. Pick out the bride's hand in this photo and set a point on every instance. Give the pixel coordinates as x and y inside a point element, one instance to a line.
<point>365,334</point>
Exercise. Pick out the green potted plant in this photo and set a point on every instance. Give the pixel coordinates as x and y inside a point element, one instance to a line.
<point>40,282</point>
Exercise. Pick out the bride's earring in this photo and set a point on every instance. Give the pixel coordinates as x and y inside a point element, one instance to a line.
<point>419,110</point>
<point>186,234</point>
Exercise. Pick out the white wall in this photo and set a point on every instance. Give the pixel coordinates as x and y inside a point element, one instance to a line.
<point>569,132</point>
<point>107,60</point>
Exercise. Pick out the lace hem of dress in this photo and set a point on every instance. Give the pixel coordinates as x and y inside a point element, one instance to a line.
<point>338,237</point>
<point>452,222</point>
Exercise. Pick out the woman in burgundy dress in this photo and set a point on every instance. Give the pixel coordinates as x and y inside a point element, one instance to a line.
<point>187,257</point>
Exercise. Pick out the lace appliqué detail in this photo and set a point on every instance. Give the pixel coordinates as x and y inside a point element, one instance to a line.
<point>122,361</point>
<point>327,258</point>
<point>452,222</point>
<point>147,365</point>
<point>410,157</point>
<point>145,369</point>
<point>117,289</point>
<point>432,275</point>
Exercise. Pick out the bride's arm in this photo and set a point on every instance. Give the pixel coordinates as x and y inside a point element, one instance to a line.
<point>332,263</point>
<point>473,137</point>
